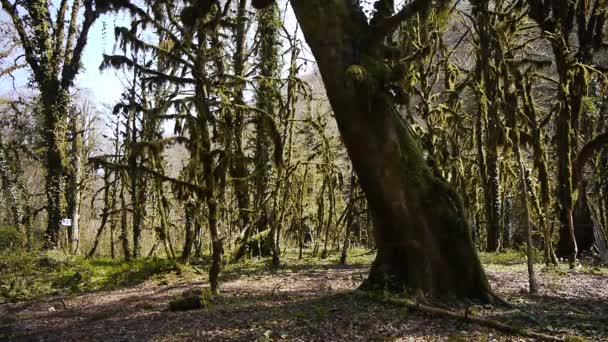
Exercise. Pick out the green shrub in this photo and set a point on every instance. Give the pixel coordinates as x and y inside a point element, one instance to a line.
<point>10,238</point>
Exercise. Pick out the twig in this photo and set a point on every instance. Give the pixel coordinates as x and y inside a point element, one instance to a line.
<point>277,287</point>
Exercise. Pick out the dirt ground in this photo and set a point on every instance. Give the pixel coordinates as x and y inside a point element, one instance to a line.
<point>310,304</point>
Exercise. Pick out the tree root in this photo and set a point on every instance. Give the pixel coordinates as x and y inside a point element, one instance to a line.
<point>435,311</point>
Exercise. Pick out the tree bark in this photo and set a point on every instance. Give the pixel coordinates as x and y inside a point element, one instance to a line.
<point>423,240</point>
<point>489,95</point>
<point>349,220</point>
<point>238,168</point>
<point>124,232</point>
<point>190,213</point>
<point>55,105</point>
<point>7,182</point>
<point>74,175</point>
<point>105,214</point>
<point>527,221</point>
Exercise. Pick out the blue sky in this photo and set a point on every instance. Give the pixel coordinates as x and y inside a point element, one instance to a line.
<point>105,86</point>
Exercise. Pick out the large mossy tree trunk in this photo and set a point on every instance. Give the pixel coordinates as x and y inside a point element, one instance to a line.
<point>267,100</point>
<point>565,146</point>
<point>238,167</point>
<point>488,121</point>
<point>55,107</point>
<point>9,188</point>
<point>424,244</point>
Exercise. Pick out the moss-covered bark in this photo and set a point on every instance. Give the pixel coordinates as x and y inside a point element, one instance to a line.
<point>55,104</point>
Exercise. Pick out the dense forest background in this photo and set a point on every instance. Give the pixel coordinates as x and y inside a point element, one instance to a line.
<point>225,145</point>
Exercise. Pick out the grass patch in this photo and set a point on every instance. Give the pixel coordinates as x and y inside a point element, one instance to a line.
<point>291,263</point>
<point>504,258</point>
<point>27,276</point>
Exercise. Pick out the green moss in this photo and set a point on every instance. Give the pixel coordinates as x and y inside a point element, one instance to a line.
<point>357,73</point>
<point>28,276</point>
<point>10,238</point>
<point>507,258</point>
<point>191,300</point>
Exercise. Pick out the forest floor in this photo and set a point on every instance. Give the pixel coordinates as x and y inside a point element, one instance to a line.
<point>305,300</point>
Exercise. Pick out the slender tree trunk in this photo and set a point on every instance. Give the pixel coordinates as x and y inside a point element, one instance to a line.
<point>198,237</point>
<point>217,249</point>
<point>74,193</point>
<point>524,85</point>
<point>163,232</point>
<point>549,252</point>
<point>527,220</point>
<point>104,214</point>
<point>124,227</point>
<point>349,220</point>
<point>189,212</point>
<point>320,216</point>
<point>202,140</point>
<point>330,218</point>
<point>136,187</point>
<point>302,224</point>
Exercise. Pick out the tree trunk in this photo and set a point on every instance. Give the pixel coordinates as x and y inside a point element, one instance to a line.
<point>349,220</point>
<point>105,211</point>
<point>7,182</point>
<point>124,231</point>
<point>545,195</point>
<point>488,119</point>
<point>238,169</point>
<point>55,106</point>
<point>136,188</point>
<point>423,240</point>
<point>569,97</point>
<point>74,193</point>
<point>491,198</point>
<point>163,231</point>
<point>330,218</point>
<point>202,139</point>
<point>190,212</point>
<point>527,221</point>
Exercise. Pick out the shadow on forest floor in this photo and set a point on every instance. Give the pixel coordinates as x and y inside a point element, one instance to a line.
<point>308,302</point>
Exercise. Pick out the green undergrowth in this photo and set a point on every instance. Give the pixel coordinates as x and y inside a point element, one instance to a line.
<point>513,260</point>
<point>291,263</point>
<point>26,276</point>
<point>504,258</point>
